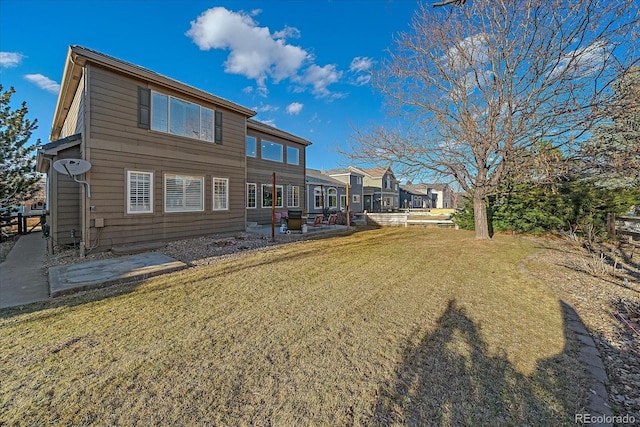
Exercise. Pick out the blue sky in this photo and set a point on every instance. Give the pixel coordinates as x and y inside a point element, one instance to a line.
<point>301,64</point>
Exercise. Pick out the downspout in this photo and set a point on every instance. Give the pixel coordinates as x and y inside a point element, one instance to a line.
<point>86,155</point>
<point>47,206</point>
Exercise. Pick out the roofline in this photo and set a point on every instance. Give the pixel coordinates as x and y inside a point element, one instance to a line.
<point>271,130</point>
<point>54,148</point>
<point>78,57</point>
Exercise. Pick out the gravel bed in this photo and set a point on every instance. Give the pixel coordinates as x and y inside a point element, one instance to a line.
<point>200,251</point>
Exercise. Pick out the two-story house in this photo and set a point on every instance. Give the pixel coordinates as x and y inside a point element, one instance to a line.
<point>353,180</point>
<point>381,189</point>
<point>168,161</point>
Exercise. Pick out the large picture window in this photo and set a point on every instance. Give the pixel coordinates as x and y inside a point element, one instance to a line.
<point>293,196</point>
<point>267,196</point>
<point>271,151</point>
<point>220,194</point>
<point>183,193</point>
<point>139,192</point>
<point>180,117</point>
<point>293,156</point>
<point>252,196</point>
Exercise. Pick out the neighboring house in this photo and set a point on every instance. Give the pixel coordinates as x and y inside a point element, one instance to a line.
<point>37,204</point>
<point>168,161</point>
<point>354,180</point>
<point>381,189</point>
<point>324,193</point>
<point>427,196</point>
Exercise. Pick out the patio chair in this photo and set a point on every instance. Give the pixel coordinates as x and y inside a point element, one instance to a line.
<point>317,222</point>
<point>331,220</point>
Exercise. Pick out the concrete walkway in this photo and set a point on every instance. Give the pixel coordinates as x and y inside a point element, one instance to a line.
<point>21,277</point>
<point>22,280</point>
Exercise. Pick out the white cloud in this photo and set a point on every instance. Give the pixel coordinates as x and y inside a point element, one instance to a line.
<point>361,64</point>
<point>319,78</point>
<point>363,79</point>
<point>469,53</point>
<point>43,82</point>
<point>584,61</point>
<point>10,59</point>
<point>288,32</point>
<point>270,122</point>
<point>260,54</point>
<point>294,108</point>
<point>254,52</point>
<point>265,108</point>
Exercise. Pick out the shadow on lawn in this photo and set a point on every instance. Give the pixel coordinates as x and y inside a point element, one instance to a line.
<point>450,379</point>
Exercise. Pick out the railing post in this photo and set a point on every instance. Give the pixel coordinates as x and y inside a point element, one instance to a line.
<point>611,225</point>
<point>20,229</point>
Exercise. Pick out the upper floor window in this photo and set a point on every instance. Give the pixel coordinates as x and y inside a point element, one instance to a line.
<point>359,180</point>
<point>387,181</point>
<point>251,146</point>
<point>293,156</point>
<point>271,151</point>
<point>183,118</point>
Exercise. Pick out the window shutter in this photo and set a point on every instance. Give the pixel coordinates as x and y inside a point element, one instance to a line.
<point>144,108</point>
<point>218,128</point>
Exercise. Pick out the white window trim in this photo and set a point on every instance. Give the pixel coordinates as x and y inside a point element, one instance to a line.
<point>255,189</point>
<point>194,177</point>
<point>213,194</point>
<point>168,130</point>
<point>290,188</point>
<point>332,193</point>
<point>274,195</point>
<point>317,191</point>
<point>129,211</point>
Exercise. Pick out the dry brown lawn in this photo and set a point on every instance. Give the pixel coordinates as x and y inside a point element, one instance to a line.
<point>382,327</point>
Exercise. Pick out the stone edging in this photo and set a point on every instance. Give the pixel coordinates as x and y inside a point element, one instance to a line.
<point>589,356</point>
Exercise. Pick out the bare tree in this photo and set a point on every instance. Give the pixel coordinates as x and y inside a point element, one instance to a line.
<point>448,2</point>
<point>470,88</point>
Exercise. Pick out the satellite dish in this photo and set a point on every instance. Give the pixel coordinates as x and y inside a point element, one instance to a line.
<point>71,167</point>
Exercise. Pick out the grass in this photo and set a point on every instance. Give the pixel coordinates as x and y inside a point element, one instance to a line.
<point>383,327</point>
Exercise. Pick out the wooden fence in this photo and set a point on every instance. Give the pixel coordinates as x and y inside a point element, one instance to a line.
<point>9,224</point>
<point>623,226</point>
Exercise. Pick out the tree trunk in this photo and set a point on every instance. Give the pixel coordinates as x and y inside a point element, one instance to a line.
<point>481,220</point>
